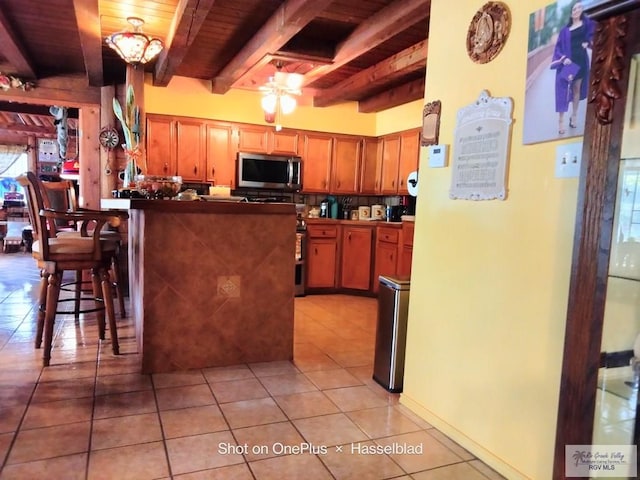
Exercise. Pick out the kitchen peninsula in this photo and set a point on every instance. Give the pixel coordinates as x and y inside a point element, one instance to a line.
<point>211,283</point>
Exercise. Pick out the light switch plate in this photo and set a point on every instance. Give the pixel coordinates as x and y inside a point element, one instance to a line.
<point>438,156</point>
<point>568,158</point>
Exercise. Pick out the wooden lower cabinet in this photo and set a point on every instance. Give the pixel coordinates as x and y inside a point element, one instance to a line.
<point>406,249</point>
<point>356,257</point>
<point>322,252</point>
<point>387,238</point>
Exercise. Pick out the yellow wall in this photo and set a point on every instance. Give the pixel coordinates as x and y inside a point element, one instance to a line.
<point>193,98</point>
<point>397,119</point>
<point>490,278</point>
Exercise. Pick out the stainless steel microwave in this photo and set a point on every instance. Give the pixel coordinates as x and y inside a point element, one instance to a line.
<point>269,171</point>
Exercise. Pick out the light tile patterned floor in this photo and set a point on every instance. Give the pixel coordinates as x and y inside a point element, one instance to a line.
<point>91,415</point>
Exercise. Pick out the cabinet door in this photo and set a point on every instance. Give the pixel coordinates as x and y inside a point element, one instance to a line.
<point>404,260</point>
<point>321,262</point>
<point>390,163</point>
<point>409,153</point>
<point>406,249</point>
<point>161,146</point>
<point>284,142</point>
<point>345,165</point>
<point>386,261</point>
<point>356,258</point>
<point>191,158</point>
<point>371,166</point>
<point>253,138</point>
<point>221,162</point>
<point>316,167</point>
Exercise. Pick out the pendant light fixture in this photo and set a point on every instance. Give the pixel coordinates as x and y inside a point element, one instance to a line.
<point>134,46</point>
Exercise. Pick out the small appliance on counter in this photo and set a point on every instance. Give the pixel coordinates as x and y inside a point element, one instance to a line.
<point>395,212</point>
<point>324,209</point>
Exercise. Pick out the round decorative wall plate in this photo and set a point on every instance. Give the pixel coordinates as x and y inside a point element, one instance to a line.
<point>488,32</point>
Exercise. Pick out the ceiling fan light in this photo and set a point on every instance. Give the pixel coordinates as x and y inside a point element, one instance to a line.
<point>134,46</point>
<point>269,102</point>
<point>287,103</point>
<point>294,81</point>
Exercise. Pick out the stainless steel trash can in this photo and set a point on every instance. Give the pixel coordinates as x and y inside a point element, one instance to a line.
<point>391,333</point>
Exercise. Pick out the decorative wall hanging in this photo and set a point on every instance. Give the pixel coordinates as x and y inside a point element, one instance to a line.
<point>488,32</point>
<point>480,149</point>
<point>9,81</point>
<point>430,124</point>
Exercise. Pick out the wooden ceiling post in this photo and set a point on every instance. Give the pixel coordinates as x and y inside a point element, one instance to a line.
<point>135,78</point>
<point>88,146</point>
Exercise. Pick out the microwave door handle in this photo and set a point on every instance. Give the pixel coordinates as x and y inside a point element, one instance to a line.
<point>290,168</point>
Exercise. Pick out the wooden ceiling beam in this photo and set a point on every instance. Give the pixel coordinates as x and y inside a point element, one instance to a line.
<point>289,19</point>
<point>410,60</point>
<point>406,93</point>
<point>14,51</point>
<point>374,31</point>
<point>187,21</point>
<point>88,22</point>
<point>27,129</point>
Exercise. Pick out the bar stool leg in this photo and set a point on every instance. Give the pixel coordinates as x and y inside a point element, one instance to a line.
<point>53,293</point>
<point>99,301</point>
<point>107,294</point>
<point>42,307</point>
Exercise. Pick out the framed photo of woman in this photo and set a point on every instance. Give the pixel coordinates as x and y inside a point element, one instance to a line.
<point>558,67</point>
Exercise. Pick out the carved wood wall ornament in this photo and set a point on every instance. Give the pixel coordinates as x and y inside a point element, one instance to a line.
<point>607,66</point>
<point>488,32</point>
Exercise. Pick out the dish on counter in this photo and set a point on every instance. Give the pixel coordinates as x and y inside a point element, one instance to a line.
<point>218,198</point>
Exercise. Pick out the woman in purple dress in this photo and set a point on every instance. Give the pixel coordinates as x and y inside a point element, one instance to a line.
<point>571,48</point>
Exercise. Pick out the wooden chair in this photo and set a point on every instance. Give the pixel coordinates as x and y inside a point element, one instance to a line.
<point>62,196</point>
<point>57,254</point>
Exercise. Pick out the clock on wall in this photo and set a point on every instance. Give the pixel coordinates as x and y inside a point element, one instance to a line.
<point>109,137</point>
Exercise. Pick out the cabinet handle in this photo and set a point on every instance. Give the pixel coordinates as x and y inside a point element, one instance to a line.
<point>349,236</point>
<point>166,167</point>
<point>213,171</point>
<point>315,249</point>
<point>195,169</point>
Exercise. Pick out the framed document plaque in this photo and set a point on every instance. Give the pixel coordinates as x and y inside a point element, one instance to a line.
<point>481,148</point>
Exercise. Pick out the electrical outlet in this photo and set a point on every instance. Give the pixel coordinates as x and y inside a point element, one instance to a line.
<point>568,158</point>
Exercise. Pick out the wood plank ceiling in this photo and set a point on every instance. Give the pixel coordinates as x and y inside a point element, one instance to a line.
<point>372,52</point>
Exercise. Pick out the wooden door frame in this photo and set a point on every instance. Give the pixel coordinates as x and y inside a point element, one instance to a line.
<point>594,223</point>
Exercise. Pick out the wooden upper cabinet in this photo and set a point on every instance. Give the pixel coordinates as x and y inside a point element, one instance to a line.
<point>284,142</point>
<point>370,166</point>
<point>161,142</point>
<point>259,139</point>
<point>409,155</point>
<point>253,138</point>
<point>390,164</point>
<point>190,145</point>
<point>346,165</point>
<point>400,153</point>
<point>316,162</point>
<point>221,156</point>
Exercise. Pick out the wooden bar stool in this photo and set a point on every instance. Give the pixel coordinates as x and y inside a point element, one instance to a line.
<point>58,254</point>
<point>62,196</point>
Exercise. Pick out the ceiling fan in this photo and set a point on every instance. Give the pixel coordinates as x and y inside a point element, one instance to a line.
<point>279,94</point>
